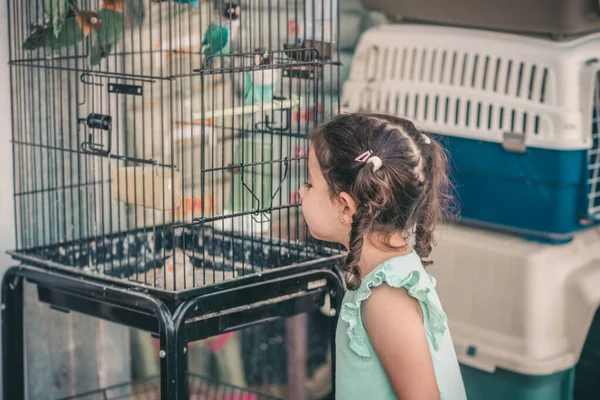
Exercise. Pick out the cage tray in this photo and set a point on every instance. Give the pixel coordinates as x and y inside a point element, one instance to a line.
<point>140,258</point>
<point>200,388</point>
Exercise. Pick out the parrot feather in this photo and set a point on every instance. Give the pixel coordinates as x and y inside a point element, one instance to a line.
<point>105,38</point>
<point>248,87</point>
<point>70,34</point>
<point>216,39</point>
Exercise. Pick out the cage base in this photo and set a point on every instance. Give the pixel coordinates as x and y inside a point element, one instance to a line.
<point>173,263</point>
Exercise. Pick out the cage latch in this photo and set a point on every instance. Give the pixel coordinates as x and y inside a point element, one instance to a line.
<point>118,88</point>
<point>261,212</point>
<point>268,124</point>
<point>514,142</point>
<point>299,72</point>
<point>95,122</point>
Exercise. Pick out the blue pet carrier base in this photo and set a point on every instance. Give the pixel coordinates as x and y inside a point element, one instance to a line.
<point>540,194</point>
<point>502,385</point>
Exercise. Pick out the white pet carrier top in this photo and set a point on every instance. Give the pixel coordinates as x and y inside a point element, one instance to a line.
<point>478,84</point>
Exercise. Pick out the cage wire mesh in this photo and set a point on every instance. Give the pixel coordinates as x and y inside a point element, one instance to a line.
<point>164,143</point>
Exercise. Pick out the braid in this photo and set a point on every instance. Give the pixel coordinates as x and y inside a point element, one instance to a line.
<point>424,238</point>
<point>436,200</point>
<point>360,225</point>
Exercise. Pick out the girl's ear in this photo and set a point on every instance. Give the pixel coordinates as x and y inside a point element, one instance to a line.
<point>347,207</point>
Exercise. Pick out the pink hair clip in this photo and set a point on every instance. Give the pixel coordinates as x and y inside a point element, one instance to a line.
<point>364,156</point>
<point>368,157</point>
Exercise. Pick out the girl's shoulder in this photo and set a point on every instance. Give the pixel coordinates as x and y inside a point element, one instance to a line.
<point>403,272</point>
<point>400,268</point>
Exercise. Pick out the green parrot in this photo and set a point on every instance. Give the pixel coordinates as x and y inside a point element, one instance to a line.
<point>110,32</point>
<point>75,28</point>
<point>221,32</point>
<point>116,15</point>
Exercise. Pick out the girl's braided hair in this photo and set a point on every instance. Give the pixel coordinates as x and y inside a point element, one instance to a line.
<point>408,194</point>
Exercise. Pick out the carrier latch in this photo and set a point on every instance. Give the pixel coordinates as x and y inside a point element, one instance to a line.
<point>514,142</point>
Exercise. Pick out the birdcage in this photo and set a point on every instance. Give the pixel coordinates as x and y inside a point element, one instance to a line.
<point>517,114</point>
<point>158,156</point>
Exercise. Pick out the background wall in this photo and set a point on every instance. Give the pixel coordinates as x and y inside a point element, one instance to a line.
<point>6,208</point>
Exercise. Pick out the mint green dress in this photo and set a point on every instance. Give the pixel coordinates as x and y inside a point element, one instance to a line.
<point>359,373</point>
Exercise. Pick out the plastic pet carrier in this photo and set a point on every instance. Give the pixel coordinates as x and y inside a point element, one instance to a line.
<point>523,315</point>
<point>517,114</point>
<point>157,157</point>
<point>558,18</point>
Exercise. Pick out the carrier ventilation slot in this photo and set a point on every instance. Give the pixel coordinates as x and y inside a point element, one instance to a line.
<point>473,70</point>
<point>594,157</point>
<point>451,111</point>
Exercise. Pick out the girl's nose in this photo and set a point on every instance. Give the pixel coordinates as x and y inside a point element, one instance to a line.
<point>301,192</point>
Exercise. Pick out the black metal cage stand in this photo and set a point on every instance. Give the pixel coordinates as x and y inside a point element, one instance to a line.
<point>187,317</point>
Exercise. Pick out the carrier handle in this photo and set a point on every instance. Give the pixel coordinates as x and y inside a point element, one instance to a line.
<point>372,77</point>
<point>582,302</point>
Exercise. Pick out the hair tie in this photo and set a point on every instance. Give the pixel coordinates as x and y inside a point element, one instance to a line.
<point>370,159</point>
<point>376,161</point>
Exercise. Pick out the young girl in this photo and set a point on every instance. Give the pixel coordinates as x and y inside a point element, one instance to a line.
<point>374,184</point>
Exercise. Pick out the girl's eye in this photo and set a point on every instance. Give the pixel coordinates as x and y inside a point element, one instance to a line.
<point>307,185</point>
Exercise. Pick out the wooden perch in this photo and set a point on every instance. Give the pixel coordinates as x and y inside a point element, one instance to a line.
<point>250,109</point>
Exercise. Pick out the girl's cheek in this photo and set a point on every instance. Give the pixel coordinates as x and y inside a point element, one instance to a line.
<point>304,202</point>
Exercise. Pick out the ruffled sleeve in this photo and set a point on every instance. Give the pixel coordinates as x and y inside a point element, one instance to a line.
<point>419,285</point>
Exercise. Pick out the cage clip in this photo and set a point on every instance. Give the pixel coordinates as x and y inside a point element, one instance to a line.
<point>267,124</point>
<point>259,210</point>
<point>95,122</point>
<point>84,80</point>
<point>308,50</point>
